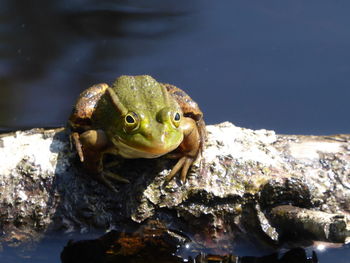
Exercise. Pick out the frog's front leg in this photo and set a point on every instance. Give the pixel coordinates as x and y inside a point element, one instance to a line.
<point>91,146</point>
<point>187,151</point>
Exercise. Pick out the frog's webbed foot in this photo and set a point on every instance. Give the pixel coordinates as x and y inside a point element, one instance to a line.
<point>91,147</point>
<point>187,151</point>
<point>183,164</point>
<point>112,164</point>
<point>112,175</point>
<point>102,179</point>
<point>105,178</point>
<point>174,155</point>
<point>116,177</point>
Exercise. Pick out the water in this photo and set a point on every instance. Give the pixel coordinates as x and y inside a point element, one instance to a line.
<point>259,64</point>
<point>47,251</point>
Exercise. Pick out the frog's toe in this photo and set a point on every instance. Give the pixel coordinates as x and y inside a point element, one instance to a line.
<point>183,164</point>
<point>105,178</point>
<point>186,166</point>
<point>101,178</point>
<point>74,139</point>
<point>176,168</point>
<point>112,164</point>
<point>174,155</point>
<point>116,177</point>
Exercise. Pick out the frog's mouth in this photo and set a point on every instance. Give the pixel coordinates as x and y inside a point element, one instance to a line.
<point>143,151</point>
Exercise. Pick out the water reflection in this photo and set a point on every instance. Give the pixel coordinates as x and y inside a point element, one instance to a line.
<point>164,247</point>
<point>258,64</point>
<point>52,51</point>
<point>50,249</point>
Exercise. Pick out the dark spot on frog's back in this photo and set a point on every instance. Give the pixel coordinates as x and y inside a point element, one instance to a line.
<point>179,93</point>
<point>83,121</point>
<point>79,123</point>
<point>94,92</point>
<point>88,95</point>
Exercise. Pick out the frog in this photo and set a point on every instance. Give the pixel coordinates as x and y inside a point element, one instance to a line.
<point>136,117</point>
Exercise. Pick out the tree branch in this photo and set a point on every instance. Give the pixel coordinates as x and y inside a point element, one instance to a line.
<point>247,184</point>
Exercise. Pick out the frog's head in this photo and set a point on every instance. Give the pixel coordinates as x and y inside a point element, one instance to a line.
<point>148,121</point>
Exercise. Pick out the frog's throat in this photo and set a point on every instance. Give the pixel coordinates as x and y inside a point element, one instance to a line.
<point>142,151</point>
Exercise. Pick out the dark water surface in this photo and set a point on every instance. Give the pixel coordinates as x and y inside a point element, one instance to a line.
<point>260,64</point>
<point>281,65</point>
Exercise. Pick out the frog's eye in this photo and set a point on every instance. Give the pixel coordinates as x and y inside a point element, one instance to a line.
<point>167,115</point>
<point>131,121</point>
<point>176,119</point>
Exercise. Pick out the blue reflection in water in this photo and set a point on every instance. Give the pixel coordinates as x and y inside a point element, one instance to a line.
<point>281,66</point>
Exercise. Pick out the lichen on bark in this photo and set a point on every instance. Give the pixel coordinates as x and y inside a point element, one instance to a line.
<point>247,184</point>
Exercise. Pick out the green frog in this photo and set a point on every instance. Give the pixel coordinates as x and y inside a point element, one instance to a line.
<point>136,117</point>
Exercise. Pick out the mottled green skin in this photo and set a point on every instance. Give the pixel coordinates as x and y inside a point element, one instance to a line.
<point>136,117</point>
<point>149,99</point>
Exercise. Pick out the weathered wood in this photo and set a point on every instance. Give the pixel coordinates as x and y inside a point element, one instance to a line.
<point>238,188</point>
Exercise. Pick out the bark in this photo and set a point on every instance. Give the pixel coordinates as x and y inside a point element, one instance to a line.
<point>252,185</point>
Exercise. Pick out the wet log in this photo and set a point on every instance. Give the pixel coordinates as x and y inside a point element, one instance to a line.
<point>252,185</point>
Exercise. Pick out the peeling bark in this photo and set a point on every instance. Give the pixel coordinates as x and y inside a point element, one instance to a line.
<point>256,185</point>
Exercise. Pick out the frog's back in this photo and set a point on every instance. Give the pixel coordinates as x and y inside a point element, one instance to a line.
<point>190,109</point>
<point>142,93</point>
<point>83,110</point>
